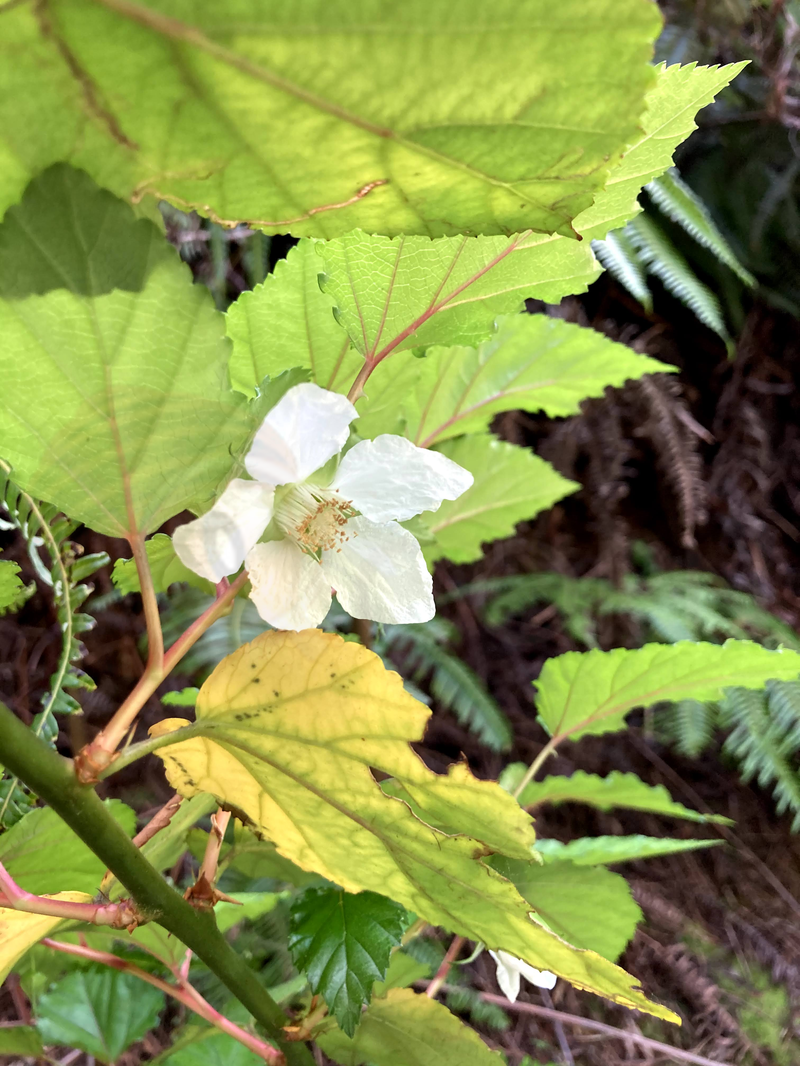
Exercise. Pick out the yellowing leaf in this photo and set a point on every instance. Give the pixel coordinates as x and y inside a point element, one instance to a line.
<point>19,931</point>
<point>290,730</point>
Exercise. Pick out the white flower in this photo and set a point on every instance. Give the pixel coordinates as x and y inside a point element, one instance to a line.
<point>329,530</point>
<point>509,970</point>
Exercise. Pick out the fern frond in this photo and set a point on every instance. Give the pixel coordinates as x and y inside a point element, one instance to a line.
<point>765,739</point>
<point>619,256</point>
<point>577,600</point>
<point>468,1001</point>
<point>63,569</point>
<point>689,725</point>
<point>682,205</point>
<point>662,258</point>
<point>422,651</point>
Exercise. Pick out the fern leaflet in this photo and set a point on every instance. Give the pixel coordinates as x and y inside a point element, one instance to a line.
<point>619,256</point>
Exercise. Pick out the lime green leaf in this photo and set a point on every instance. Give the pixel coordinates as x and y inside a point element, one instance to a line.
<point>591,851</point>
<point>343,943</point>
<point>185,697</point>
<point>403,971</point>
<point>409,1029</point>
<point>411,292</point>
<point>116,407</point>
<point>19,931</point>
<point>532,363</point>
<point>586,905</point>
<point>286,322</point>
<point>589,693</point>
<point>20,1040</point>
<point>42,854</point>
<point>681,203</point>
<point>12,591</point>
<point>606,793</point>
<point>249,906</point>
<point>672,103</point>
<point>100,1011</point>
<point>65,234</point>
<point>165,567</point>
<point>305,780</point>
<point>224,115</point>
<point>210,1047</point>
<point>511,485</point>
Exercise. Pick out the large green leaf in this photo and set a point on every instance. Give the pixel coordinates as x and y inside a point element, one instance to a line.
<point>589,693</point>
<point>588,906</point>
<point>405,1028</point>
<point>532,363</point>
<point>672,103</point>
<point>116,407</point>
<point>593,851</point>
<point>615,790</point>
<point>343,943</point>
<point>165,569</point>
<point>286,322</point>
<point>411,292</point>
<point>43,855</point>
<point>511,485</point>
<point>20,1041</point>
<point>100,1011</point>
<point>415,118</point>
<point>306,780</point>
<point>210,1047</point>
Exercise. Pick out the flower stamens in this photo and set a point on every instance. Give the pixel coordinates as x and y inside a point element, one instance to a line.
<point>315,519</point>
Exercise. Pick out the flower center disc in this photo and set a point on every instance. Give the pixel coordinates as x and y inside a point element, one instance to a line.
<point>316,519</point>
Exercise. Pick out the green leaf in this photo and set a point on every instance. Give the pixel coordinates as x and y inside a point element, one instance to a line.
<point>663,259</point>
<point>411,292</point>
<point>588,906</point>
<point>67,233</point>
<point>403,971</point>
<point>592,851</point>
<point>532,363</point>
<point>20,1040</point>
<point>100,1011</point>
<point>43,855</point>
<point>343,942</point>
<point>605,793</point>
<point>384,98</point>
<point>165,567</point>
<point>511,485</point>
<point>619,256</point>
<point>307,781</point>
<point>249,906</point>
<point>12,591</point>
<point>212,1048</point>
<point>116,407</point>
<point>409,1029</point>
<point>185,697</point>
<point>672,103</point>
<point>681,203</point>
<point>286,322</point>
<point>452,683</point>
<point>589,693</point>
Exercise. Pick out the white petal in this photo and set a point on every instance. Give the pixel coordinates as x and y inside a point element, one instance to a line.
<point>379,573</point>
<point>540,978</point>
<point>507,974</point>
<point>215,544</point>
<point>299,435</point>
<point>390,477</point>
<point>289,590</point>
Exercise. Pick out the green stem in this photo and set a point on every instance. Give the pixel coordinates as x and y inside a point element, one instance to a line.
<point>52,778</point>
<point>535,766</point>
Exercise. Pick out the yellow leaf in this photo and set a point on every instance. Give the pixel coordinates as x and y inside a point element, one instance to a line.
<point>290,730</point>
<point>19,931</point>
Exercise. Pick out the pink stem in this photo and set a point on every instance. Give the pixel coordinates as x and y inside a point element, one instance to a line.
<point>119,915</point>
<point>183,992</point>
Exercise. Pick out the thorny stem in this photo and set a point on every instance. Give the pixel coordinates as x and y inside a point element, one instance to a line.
<point>118,915</point>
<point>95,757</point>
<point>357,388</point>
<point>53,778</point>
<point>535,766</point>
<point>208,867</point>
<point>155,638</point>
<point>182,991</point>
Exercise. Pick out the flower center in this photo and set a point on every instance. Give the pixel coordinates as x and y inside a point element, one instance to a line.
<point>316,519</point>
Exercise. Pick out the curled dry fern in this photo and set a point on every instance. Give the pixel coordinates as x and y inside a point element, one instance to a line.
<point>63,569</point>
